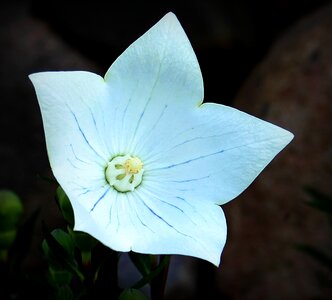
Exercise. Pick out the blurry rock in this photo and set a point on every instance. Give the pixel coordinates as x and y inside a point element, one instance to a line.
<point>292,88</point>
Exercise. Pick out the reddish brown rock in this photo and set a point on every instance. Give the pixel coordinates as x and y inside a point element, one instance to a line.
<point>292,88</point>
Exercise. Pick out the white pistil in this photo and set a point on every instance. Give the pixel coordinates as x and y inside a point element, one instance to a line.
<point>124,173</point>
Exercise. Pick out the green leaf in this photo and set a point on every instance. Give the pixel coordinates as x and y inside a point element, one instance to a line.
<point>142,262</point>
<point>59,276</point>
<point>147,278</point>
<point>64,239</point>
<point>82,240</point>
<point>65,205</point>
<point>132,294</point>
<point>11,210</point>
<point>62,256</point>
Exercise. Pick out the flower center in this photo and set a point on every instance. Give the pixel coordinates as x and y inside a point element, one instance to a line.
<point>124,173</point>
<point>133,165</point>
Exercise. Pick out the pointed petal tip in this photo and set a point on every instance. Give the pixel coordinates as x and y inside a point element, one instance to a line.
<point>216,262</point>
<point>287,137</point>
<point>32,76</point>
<point>35,79</point>
<point>38,74</point>
<point>170,17</point>
<point>290,136</point>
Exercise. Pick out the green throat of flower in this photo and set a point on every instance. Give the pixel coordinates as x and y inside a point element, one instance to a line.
<point>124,173</point>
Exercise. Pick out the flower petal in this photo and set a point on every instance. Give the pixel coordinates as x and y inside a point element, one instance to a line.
<point>72,106</point>
<point>218,156</point>
<point>195,156</point>
<point>156,77</point>
<point>106,218</point>
<point>174,225</point>
<point>152,222</point>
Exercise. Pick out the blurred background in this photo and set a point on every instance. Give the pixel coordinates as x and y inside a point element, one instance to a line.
<point>272,59</point>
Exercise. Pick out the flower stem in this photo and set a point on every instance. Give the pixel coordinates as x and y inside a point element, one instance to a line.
<point>158,284</point>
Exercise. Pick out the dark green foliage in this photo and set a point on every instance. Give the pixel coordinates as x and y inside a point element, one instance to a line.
<point>77,266</point>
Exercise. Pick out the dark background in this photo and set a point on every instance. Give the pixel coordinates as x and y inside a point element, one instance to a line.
<point>233,41</point>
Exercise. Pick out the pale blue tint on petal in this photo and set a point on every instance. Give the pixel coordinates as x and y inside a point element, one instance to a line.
<point>168,224</point>
<point>215,160</point>
<point>152,220</point>
<point>106,218</point>
<point>149,105</point>
<point>157,77</point>
<point>73,107</point>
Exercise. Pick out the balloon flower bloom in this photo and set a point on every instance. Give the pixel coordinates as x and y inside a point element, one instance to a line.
<point>145,163</point>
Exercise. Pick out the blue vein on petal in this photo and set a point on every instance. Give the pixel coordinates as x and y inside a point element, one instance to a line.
<point>196,138</point>
<point>152,89</point>
<point>193,207</point>
<point>189,180</point>
<point>177,208</point>
<point>163,220</point>
<point>187,202</point>
<point>155,214</point>
<point>112,211</point>
<point>148,191</point>
<point>172,205</point>
<point>143,112</point>
<point>117,211</point>
<point>141,219</point>
<point>124,114</point>
<point>72,149</point>
<point>176,135</point>
<point>101,197</point>
<point>143,142</point>
<point>167,138</point>
<point>189,160</point>
<point>82,133</point>
<point>129,213</point>
<point>86,191</point>
<point>165,202</point>
<point>72,164</point>
<point>96,127</point>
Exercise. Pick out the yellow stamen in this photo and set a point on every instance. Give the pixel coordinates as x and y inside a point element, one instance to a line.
<point>133,165</point>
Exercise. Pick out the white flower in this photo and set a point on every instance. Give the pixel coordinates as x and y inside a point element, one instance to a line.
<point>144,163</point>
